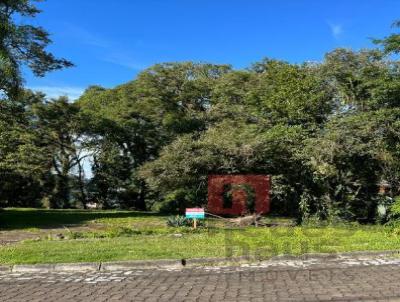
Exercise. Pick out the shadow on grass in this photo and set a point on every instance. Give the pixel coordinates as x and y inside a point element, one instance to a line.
<point>14,219</point>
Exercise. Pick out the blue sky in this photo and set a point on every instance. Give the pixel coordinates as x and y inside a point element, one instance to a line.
<point>111,41</point>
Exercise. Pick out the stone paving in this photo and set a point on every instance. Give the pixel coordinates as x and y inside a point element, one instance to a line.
<point>340,279</point>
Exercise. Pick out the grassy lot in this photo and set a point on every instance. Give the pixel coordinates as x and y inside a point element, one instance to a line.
<point>13,218</point>
<point>124,235</point>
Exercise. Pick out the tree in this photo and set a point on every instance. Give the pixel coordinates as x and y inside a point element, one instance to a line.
<point>22,44</point>
<point>135,120</point>
<point>24,158</point>
<point>60,127</point>
<point>180,173</point>
<point>363,80</point>
<point>258,121</point>
<point>391,43</point>
<point>349,158</point>
<point>274,92</point>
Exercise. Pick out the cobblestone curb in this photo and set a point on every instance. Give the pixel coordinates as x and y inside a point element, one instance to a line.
<point>182,263</point>
<point>389,253</point>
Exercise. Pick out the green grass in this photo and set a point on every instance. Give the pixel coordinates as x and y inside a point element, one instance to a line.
<point>136,236</point>
<point>13,218</point>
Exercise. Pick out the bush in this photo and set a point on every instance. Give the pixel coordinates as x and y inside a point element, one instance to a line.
<point>394,209</point>
<point>178,221</point>
<point>182,221</point>
<point>173,203</point>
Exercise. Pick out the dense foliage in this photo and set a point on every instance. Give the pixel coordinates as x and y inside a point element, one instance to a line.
<point>328,133</point>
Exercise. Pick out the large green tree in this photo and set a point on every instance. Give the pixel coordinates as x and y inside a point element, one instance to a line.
<point>132,122</point>
<point>23,154</point>
<point>22,44</point>
<point>390,43</point>
<point>357,149</point>
<point>363,80</point>
<point>353,154</point>
<point>24,157</point>
<point>257,122</point>
<point>61,128</point>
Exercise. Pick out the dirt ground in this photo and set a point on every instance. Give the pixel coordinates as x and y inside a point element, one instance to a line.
<point>14,236</point>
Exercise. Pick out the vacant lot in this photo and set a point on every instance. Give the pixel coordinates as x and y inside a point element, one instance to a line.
<point>48,236</point>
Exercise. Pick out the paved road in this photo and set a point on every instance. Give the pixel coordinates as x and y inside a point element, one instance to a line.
<point>346,279</point>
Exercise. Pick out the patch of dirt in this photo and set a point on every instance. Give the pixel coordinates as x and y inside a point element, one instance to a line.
<point>8,237</point>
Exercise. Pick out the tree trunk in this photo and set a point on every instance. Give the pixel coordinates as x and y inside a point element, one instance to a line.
<point>81,179</point>
<point>141,201</point>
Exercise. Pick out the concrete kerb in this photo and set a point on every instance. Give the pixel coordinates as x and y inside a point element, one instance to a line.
<point>33,268</point>
<point>388,253</point>
<point>77,267</point>
<point>180,264</point>
<point>146,264</point>
<point>5,268</point>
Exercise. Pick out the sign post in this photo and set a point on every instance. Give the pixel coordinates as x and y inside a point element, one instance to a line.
<point>195,213</point>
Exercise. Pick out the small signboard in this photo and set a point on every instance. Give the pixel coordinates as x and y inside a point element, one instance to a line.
<point>195,213</point>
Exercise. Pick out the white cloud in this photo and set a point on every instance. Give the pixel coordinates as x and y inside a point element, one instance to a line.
<point>109,51</point>
<point>53,92</point>
<point>336,30</point>
<point>86,37</point>
<point>123,59</point>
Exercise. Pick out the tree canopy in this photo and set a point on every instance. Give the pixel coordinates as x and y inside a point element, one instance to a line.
<point>23,44</point>
<point>328,133</point>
